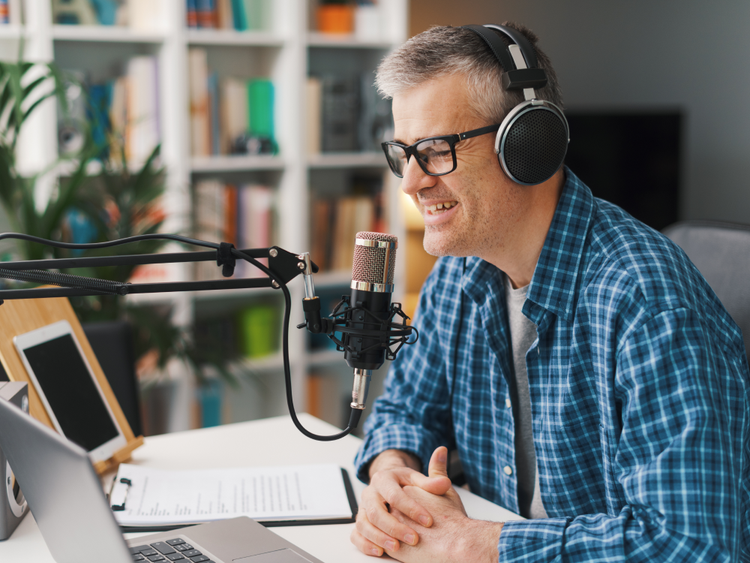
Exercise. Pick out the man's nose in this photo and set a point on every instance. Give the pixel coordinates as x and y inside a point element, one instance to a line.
<point>414,178</point>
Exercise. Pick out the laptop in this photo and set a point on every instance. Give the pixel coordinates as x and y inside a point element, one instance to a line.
<point>68,503</point>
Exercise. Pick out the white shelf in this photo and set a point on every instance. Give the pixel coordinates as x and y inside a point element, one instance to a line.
<point>235,163</point>
<point>105,34</point>
<point>347,160</point>
<point>8,31</point>
<point>209,37</point>
<point>344,41</point>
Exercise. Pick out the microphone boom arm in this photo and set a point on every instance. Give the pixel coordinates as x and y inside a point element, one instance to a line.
<point>285,265</point>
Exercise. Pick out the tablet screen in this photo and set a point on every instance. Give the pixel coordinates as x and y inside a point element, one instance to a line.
<point>65,381</point>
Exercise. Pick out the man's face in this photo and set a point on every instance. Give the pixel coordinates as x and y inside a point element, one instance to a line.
<point>473,210</point>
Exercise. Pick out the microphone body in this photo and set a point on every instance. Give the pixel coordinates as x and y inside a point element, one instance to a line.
<point>370,309</point>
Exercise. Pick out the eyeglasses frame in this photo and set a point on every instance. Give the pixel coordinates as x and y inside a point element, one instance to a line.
<point>452,140</point>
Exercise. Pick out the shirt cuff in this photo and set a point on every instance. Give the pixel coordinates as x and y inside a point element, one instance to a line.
<point>532,540</point>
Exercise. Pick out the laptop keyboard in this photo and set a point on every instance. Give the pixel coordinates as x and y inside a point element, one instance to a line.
<point>171,550</point>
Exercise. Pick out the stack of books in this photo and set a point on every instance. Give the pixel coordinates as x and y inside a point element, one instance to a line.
<point>229,115</point>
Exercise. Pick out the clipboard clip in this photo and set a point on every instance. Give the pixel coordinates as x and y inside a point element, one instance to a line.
<point>121,507</point>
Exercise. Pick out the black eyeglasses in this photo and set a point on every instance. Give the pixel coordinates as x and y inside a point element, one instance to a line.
<point>436,155</point>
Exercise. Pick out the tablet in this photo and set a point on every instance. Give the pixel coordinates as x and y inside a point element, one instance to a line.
<point>68,389</point>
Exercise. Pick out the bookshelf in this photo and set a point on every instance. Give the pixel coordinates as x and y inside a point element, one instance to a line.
<point>286,49</point>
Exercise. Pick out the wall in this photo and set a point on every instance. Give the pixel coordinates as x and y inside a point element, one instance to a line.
<point>643,54</point>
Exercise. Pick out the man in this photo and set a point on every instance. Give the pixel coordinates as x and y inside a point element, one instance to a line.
<point>580,365</point>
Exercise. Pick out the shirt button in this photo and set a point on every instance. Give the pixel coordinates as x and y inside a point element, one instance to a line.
<point>507,403</point>
<point>507,470</point>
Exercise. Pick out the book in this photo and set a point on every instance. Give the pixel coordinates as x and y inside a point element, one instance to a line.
<point>200,126</point>
<point>205,10</point>
<point>210,208</point>
<point>336,221</point>
<point>118,117</point>
<point>255,205</point>
<point>239,17</point>
<point>233,113</point>
<point>100,96</point>
<point>255,12</point>
<point>152,499</point>
<point>224,14</point>
<point>213,112</point>
<point>15,12</point>
<point>192,13</point>
<point>142,130</point>
<point>146,15</point>
<point>261,107</point>
<point>313,101</point>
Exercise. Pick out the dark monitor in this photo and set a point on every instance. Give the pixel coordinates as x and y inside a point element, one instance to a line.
<point>631,158</point>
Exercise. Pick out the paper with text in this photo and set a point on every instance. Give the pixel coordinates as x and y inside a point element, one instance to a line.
<point>162,497</point>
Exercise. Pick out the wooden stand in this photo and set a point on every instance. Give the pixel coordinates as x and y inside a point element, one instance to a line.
<point>24,315</point>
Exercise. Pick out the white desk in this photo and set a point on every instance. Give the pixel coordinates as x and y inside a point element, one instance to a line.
<point>273,441</point>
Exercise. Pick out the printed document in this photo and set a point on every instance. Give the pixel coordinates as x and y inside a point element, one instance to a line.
<point>144,497</point>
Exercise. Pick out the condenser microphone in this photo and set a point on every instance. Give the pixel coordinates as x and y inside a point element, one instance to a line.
<point>369,315</point>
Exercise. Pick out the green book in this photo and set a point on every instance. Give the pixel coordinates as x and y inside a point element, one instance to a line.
<point>260,107</point>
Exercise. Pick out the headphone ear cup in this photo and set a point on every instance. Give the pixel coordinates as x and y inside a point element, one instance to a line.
<point>532,142</point>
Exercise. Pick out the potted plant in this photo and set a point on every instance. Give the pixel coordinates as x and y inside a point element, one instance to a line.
<point>113,202</point>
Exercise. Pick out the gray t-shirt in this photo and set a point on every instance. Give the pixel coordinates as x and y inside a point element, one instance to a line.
<point>523,334</point>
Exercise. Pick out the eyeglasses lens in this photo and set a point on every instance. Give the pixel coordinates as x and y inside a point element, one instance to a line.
<point>435,157</point>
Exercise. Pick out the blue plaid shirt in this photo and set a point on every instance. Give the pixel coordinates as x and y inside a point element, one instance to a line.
<point>640,395</point>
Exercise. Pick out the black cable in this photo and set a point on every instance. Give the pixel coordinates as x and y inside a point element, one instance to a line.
<point>354,415</point>
<point>107,244</point>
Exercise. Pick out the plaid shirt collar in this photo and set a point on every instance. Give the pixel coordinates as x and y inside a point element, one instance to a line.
<point>553,285</point>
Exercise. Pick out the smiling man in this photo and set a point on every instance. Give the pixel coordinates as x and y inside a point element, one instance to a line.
<point>585,373</point>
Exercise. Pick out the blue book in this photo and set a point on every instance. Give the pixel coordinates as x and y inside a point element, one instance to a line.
<point>205,9</point>
<point>192,14</point>
<point>100,101</point>
<point>239,15</point>
<point>214,116</point>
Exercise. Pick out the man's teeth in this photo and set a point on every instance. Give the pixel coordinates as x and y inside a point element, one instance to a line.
<point>440,207</point>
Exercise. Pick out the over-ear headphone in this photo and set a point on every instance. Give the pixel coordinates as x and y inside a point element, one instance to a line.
<point>533,138</point>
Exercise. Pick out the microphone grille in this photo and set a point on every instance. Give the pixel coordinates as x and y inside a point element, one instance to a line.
<point>374,258</point>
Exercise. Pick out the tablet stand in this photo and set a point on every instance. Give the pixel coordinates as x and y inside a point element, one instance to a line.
<point>24,315</point>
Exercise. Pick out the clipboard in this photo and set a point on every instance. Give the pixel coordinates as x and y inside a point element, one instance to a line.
<point>151,500</point>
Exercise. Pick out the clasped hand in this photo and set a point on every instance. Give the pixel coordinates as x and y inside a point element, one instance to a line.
<point>413,517</point>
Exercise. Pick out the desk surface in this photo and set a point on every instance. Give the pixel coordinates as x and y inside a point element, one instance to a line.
<point>273,441</point>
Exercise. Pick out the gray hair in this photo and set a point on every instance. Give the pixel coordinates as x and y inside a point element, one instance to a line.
<point>447,50</point>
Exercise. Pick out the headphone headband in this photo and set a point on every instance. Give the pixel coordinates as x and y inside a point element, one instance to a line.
<point>513,77</point>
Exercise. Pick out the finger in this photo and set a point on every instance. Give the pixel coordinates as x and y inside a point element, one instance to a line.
<point>437,481</point>
<point>365,545</point>
<point>373,536</point>
<point>385,491</point>
<point>438,463</point>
